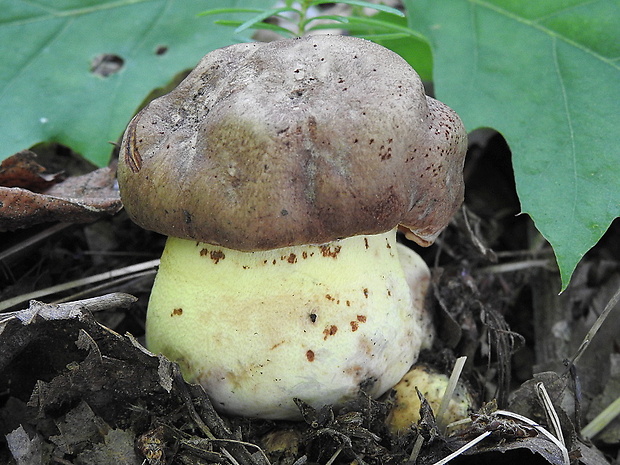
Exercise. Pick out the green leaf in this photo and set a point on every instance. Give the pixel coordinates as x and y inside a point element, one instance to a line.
<point>284,32</point>
<point>47,91</point>
<point>392,32</point>
<point>547,76</point>
<point>259,18</point>
<point>227,11</point>
<point>374,6</point>
<point>338,21</point>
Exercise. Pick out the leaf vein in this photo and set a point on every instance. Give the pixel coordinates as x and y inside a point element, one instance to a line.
<point>550,32</point>
<point>33,57</point>
<point>54,14</point>
<point>569,122</point>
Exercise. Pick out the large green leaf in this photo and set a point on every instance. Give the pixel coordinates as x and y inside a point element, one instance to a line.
<point>47,91</point>
<point>546,74</point>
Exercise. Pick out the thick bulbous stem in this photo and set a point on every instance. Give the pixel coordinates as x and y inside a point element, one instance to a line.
<point>317,322</point>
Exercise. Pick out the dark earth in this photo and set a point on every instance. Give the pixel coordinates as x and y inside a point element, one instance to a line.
<point>76,387</point>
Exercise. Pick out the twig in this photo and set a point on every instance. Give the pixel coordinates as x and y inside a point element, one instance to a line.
<point>209,422</point>
<point>94,304</point>
<point>538,428</point>
<point>32,240</point>
<point>102,287</point>
<point>467,446</point>
<point>515,266</point>
<point>447,396</point>
<point>246,444</point>
<point>334,457</point>
<point>596,326</point>
<point>552,415</point>
<point>417,447</point>
<point>128,270</point>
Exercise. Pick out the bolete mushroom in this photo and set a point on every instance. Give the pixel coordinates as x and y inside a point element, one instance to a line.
<point>432,384</point>
<point>280,172</point>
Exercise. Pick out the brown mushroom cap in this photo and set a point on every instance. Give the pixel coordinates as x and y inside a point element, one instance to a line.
<point>300,141</point>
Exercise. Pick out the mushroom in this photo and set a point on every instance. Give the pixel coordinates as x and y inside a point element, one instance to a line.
<point>432,384</point>
<point>280,172</point>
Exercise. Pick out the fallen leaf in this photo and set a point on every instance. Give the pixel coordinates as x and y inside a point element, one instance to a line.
<point>506,436</point>
<point>25,450</point>
<point>74,371</point>
<point>116,449</point>
<point>78,199</point>
<point>22,170</point>
<point>79,429</point>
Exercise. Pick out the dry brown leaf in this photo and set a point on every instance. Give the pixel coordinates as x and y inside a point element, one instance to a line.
<point>88,381</point>
<point>78,199</point>
<point>22,170</point>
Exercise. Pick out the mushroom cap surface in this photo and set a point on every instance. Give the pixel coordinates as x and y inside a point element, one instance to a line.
<point>299,141</point>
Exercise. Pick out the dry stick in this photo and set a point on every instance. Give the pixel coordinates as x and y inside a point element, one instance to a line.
<point>210,422</point>
<point>515,416</point>
<point>246,444</point>
<point>525,253</point>
<point>417,447</point>
<point>106,285</point>
<point>484,250</point>
<point>198,448</point>
<point>104,302</point>
<point>301,460</point>
<point>79,282</point>
<point>596,326</point>
<point>447,396</point>
<point>551,414</point>
<point>467,446</point>
<point>94,304</point>
<point>603,419</point>
<point>613,410</point>
<point>538,428</point>
<point>516,266</point>
<point>187,400</point>
<point>33,240</point>
<point>334,457</point>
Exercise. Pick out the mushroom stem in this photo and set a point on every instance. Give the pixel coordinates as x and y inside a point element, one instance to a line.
<point>318,322</point>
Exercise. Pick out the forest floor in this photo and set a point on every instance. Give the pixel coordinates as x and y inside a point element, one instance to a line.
<point>71,391</point>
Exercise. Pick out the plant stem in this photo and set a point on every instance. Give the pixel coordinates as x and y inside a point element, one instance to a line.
<point>301,22</point>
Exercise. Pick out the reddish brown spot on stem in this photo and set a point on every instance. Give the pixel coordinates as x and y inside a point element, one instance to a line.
<point>361,318</point>
<point>177,312</point>
<point>327,251</point>
<point>329,331</point>
<point>215,255</point>
<point>310,356</point>
<point>354,325</point>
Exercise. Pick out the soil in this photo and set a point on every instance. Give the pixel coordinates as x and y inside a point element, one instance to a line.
<point>72,391</point>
